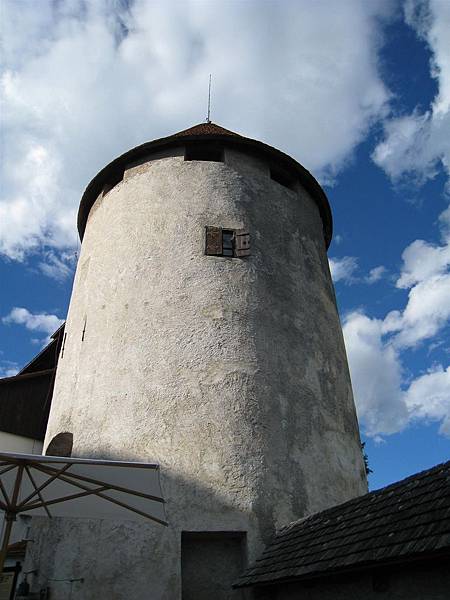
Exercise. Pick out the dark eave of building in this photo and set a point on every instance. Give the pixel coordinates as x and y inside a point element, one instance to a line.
<point>25,403</point>
<point>209,132</point>
<point>25,398</point>
<point>48,356</point>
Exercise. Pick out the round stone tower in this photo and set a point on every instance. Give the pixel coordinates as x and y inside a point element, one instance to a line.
<point>203,335</point>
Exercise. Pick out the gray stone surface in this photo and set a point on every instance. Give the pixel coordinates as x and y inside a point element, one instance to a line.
<point>203,558</point>
<point>230,373</point>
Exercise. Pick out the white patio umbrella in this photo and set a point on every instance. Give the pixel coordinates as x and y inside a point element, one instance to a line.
<point>76,487</point>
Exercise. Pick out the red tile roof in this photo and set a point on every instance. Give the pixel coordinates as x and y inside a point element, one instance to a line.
<point>205,129</point>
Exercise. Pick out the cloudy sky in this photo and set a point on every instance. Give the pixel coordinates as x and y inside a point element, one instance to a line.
<point>358,91</point>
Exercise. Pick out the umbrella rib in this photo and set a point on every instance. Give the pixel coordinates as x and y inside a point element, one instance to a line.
<point>110,485</point>
<point>38,492</point>
<point>16,490</point>
<point>135,510</point>
<point>45,484</point>
<point>104,496</point>
<point>5,494</point>
<point>8,468</point>
<point>45,503</point>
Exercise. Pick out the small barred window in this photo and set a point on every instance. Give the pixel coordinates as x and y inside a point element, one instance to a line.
<point>227,242</point>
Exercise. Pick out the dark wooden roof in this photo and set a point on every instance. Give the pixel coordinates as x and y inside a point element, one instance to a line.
<point>47,358</point>
<point>200,133</point>
<point>408,520</point>
<point>25,403</point>
<point>25,399</point>
<point>206,129</point>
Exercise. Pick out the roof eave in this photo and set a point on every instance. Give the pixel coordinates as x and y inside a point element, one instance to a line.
<point>424,557</point>
<point>310,183</point>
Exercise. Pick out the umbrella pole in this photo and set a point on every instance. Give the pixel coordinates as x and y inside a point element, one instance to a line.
<point>10,517</point>
<point>9,520</point>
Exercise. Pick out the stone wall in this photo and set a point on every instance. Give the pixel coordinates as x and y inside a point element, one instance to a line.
<point>229,373</point>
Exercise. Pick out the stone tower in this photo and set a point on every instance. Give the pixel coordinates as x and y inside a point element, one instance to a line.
<point>203,335</point>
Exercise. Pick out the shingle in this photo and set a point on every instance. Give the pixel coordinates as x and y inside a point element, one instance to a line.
<point>404,519</point>
<point>205,129</point>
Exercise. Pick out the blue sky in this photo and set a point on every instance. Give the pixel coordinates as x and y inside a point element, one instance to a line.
<point>358,92</point>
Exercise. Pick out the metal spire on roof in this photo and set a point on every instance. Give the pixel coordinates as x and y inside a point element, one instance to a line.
<point>208,120</point>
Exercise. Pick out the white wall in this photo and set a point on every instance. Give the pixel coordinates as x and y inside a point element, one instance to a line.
<point>18,443</point>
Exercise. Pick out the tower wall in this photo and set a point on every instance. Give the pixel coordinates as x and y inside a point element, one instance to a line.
<point>230,373</point>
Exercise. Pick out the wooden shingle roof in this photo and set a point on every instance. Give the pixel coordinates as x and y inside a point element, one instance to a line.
<point>404,521</point>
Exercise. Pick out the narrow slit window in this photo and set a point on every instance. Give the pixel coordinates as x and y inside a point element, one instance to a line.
<point>206,152</point>
<point>63,345</point>
<point>233,243</point>
<point>282,177</point>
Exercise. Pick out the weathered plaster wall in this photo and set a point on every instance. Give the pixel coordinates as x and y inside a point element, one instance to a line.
<point>230,373</point>
<point>411,582</point>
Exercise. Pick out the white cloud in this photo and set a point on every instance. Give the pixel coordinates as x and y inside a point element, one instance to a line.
<point>8,368</point>
<point>420,142</point>
<point>426,312</point>
<point>426,272</point>
<point>58,267</point>
<point>343,269</point>
<point>444,222</point>
<point>428,397</point>
<point>375,275</point>
<point>41,322</point>
<point>376,376</point>
<point>84,81</point>
<point>386,400</point>
<point>422,260</point>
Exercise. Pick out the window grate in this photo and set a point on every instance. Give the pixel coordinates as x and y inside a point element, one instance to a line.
<point>233,243</point>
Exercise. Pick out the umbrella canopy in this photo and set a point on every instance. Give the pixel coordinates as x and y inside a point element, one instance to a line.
<point>76,487</point>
